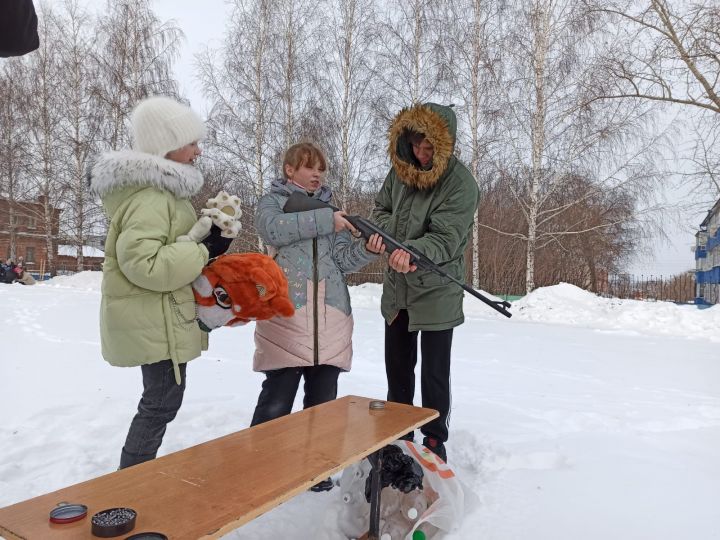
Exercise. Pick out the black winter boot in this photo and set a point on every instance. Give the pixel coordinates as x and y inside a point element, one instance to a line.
<point>323,485</point>
<point>436,447</point>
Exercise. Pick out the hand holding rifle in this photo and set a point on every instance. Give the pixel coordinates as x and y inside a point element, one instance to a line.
<point>375,244</point>
<point>341,223</point>
<point>401,261</point>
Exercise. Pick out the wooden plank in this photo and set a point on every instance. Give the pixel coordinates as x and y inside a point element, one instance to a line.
<point>213,488</point>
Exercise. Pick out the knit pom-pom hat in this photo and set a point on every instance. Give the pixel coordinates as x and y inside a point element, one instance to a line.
<point>161,125</point>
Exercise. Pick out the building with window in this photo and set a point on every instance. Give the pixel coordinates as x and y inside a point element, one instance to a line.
<point>26,228</point>
<point>707,258</point>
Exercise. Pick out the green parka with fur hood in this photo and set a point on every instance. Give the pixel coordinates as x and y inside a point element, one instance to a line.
<point>147,311</point>
<point>430,211</point>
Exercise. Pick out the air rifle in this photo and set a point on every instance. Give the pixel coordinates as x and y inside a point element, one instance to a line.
<point>299,202</point>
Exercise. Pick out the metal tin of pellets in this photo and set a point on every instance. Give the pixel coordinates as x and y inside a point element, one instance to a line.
<point>113,522</point>
<point>377,404</point>
<point>67,513</point>
<point>147,536</point>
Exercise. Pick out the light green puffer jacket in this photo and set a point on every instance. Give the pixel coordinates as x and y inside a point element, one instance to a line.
<point>147,311</point>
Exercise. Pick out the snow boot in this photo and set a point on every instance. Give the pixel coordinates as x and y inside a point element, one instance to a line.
<point>435,446</point>
<point>323,485</point>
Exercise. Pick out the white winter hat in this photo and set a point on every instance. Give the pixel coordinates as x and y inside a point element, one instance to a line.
<point>161,125</point>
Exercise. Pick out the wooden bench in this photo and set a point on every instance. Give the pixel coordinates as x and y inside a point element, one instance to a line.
<point>210,489</point>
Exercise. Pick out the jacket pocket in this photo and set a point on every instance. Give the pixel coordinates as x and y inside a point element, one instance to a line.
<point>183,306</point>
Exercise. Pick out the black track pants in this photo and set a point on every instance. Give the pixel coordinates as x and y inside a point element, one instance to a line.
<point>400,360</point>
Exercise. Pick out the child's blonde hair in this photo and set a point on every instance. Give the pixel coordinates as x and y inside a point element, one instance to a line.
<point>304,154</point>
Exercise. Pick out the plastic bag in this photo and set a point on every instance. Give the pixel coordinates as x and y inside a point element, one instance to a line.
<point>439,506</point>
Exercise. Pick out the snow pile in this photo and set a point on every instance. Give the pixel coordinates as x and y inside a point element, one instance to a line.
<point>84,281</point>
<point>570,305</point>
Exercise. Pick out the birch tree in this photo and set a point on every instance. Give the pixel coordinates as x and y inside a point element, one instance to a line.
<point>43,120</point>
<point>236,79</point>
<point>80,127</point>
<point>668,53</point>
<point>14,142</point>
<point>299,50</point>
<point>136,52</point>
<point>352,71</point>
<point>553,135</point>
<point>409,54</point>
<point>468,49</point>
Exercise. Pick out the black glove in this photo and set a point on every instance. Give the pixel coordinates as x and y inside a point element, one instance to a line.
<point>216,244</point>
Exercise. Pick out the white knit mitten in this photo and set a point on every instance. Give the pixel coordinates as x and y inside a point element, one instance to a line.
<point>197,232</point>
<point>222,210</point>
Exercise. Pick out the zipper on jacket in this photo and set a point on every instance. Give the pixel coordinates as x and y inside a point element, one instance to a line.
<point>316,340</point>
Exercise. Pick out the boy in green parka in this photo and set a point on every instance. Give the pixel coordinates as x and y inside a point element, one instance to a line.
<point>428,202</point>
<point>147,311</point>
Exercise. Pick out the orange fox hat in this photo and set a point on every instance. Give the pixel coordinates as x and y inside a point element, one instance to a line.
<point>241,287</point>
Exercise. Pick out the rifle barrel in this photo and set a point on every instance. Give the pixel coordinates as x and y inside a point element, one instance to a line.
<point>497,305</point>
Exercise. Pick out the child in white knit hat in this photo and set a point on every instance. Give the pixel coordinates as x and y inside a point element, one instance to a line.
<point>147,313</point>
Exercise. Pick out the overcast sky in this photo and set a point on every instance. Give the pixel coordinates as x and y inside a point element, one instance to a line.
<point>203,22</point>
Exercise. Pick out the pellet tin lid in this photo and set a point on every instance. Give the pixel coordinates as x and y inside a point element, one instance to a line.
<point>67,513</point>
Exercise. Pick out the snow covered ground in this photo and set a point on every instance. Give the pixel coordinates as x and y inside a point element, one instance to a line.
<point>579,418</point>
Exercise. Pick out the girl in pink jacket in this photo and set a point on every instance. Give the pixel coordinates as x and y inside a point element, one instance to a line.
<point>315,249</point>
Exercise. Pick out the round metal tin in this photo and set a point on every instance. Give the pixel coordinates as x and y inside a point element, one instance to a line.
<point>68,513</point>
<point>377,404</point>
<point>113,522</point>
<point>147,536</point>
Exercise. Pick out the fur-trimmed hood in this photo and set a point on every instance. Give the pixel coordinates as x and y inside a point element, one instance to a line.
<point>127,168</point>
<point>439,124</point>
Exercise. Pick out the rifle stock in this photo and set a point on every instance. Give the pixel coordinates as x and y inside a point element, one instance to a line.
<point>299,202</point>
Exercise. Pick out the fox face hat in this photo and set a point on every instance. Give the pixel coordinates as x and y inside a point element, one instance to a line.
<point>241,287</point>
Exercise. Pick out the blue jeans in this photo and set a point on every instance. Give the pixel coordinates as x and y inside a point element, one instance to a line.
<point>160,402</point>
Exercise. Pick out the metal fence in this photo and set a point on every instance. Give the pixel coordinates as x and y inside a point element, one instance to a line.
<point>679,288</point>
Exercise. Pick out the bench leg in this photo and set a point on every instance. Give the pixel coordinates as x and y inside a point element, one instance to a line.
<point>376,461</point>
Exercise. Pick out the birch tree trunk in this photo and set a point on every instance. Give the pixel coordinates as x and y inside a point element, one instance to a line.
<point>44,121</point>
<point>540,29</point>
<point>81,126</point>
<point>13,144</point>
<point>353,38</point>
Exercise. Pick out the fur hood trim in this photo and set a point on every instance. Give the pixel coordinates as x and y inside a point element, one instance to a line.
<point>115,170</point>
<point>438,123</point>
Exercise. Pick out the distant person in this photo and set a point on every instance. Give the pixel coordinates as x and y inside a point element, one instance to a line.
<point>147,310</point>
<point>316,250</point>
<point>18,28</point>
<point>6,273</point>
<point>23,276</point>
<point>428,201</point>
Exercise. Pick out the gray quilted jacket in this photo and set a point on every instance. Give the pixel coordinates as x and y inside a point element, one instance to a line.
<point>314,259</point>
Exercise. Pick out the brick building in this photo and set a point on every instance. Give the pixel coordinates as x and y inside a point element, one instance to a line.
<point>29,234</point>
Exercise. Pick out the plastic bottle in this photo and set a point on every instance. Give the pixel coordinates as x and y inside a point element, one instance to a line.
<point>425,531</point>
<point>396,527</point>
<point>413,505</point>
<point>353,514</point>
<point>390,499</point>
